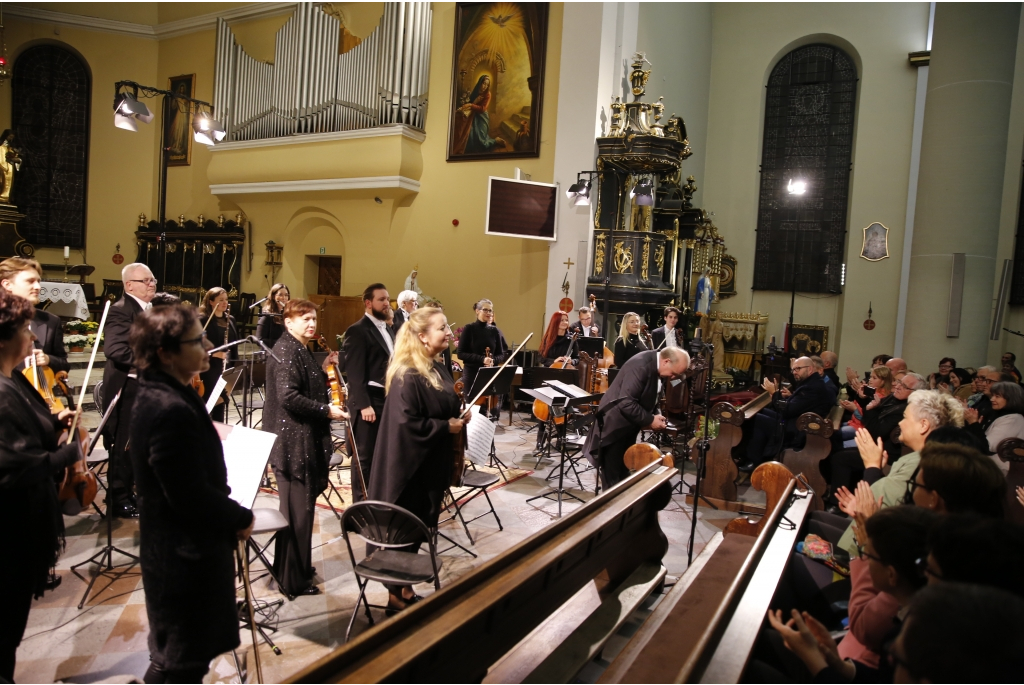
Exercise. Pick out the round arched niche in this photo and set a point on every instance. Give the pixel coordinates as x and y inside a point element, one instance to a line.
<point>309,232</point>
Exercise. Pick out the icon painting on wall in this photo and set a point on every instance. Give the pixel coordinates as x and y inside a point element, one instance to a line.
<point>178,122</point>
<point>876,243</point>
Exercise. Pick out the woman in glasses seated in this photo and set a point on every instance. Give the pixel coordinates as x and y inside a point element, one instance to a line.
<point>189,524</point>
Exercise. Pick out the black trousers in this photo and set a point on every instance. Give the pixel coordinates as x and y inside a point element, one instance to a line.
<point>14,610</point>
<point>122,477</point>
<point>158,674</point>
<point>294,551</point>
<point>847,469</point>
<point>610,457</point>
<point>365,433</point>
<point>765,438</point>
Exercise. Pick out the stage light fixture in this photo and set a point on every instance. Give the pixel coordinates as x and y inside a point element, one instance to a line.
<point>128,109</point>
<point>579,192</point>
<point>797,187</point>
<point>643,193</point>
<point>207,130</point>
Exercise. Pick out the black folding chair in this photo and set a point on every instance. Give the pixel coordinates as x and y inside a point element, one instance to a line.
<point>390,528</point>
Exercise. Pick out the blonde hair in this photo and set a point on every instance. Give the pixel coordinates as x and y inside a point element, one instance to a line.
<point>623,330</point>
<point>410,352</point>
<point>936,408</point>
<point>883,374</point>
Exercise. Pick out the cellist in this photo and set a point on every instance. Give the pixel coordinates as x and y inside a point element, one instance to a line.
<point>413,459</point>
<point>557,346</point>
<point>30,457</point>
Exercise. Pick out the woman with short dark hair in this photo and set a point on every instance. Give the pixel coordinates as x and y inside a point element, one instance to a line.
<point>298,411</point>
<point>30,456</point>
<point>1005,420</point>
<point>189,525</point>
<point>271,325</point>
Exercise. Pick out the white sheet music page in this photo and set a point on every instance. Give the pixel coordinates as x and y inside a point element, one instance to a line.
<point>479,436</point>
<point>570,390</point>
<point>217,390</point>
<point>246,453</point>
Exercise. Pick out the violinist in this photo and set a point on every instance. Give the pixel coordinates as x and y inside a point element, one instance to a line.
<point>298,410</point>
<point>119,376</point>
<point>271,326</point>
<point>414,450</point>
<point>476,339</point>
<point>669,335</point>
<point>220,331</point>
<point>558,347</point>
<point>629,342</point>
<point>188,524</point>
<point>31,455</point>
<point>23,277</point>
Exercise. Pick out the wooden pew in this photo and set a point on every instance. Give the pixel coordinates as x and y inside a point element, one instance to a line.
<point>458,633</point>
<point>806,460</point>
<point>719,483</point>
<point>705,628</point>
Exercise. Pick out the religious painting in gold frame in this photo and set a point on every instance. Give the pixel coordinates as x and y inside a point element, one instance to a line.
<point>178,122</point>
<point>875,243</point>
<point>497,80</point>
<point>806,340</point>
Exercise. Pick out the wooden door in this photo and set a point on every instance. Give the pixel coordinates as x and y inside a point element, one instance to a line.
<point>328,280</point>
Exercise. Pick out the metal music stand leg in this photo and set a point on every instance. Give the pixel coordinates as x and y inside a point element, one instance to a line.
<point>105,557</point>
<point>560,491</point>
<point>496,463</point>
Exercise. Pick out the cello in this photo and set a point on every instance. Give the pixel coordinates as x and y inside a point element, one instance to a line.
<point>541,410</point>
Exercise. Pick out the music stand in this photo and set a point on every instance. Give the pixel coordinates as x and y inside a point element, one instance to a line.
<point>104,557</point>
<point>502,385</point>
<point>592,346</point>
<point>562,405</point>
<point>536,377</point>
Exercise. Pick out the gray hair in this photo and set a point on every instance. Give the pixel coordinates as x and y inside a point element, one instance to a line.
<point>481,303</point>
<point>407,295</point>
<point>128,269</point>
<point>987,369</point>
<point>916,376</point>
<point>1012,393</point>
<point>818,363</point>
<point>673,354</point>
<point>936,408</point>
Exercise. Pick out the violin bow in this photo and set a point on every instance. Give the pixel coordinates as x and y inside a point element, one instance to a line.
<point>352,437</point>
<point>88,372</point>
<point>469,406</point>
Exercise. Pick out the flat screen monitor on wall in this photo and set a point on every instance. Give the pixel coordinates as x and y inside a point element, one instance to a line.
<point>521,209</point>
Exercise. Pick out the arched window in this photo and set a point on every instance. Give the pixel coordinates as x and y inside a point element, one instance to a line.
<point>808,139</point>
<point>50,114</point>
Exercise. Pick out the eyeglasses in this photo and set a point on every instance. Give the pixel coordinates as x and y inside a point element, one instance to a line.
<point>195,340</point>
<point>863,554</point>
<point>147,281</point>
<point>924,570</point>
<point>979,379</point>
<point>798,368</point>
<point>487,311</point>
<point>913,485</point>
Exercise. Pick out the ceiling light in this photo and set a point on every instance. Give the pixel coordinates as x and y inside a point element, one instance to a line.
<point>797,187</point>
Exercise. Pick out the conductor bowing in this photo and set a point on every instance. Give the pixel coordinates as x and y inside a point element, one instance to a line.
<point>628,407</point>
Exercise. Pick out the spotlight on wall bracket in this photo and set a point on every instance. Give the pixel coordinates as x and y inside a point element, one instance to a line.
<point>128,110</point>
<point>579,192</point>
<point>643,193</point>
<point>797,187</point>
<point>206,129</point>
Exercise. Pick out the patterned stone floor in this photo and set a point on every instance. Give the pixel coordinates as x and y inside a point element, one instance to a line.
<point>107,638</point>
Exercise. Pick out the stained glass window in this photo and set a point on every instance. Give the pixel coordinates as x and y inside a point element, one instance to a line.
<point>808,139</point>
<point>50,114</point>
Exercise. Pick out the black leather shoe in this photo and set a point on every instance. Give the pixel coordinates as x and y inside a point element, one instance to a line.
<point>52,581</point>
<point>125,511</point>
<point>746,467</point>
<point>311,590</point>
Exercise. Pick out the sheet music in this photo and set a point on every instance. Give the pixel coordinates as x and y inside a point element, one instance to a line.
<point>550,393</point>
<point>570,390</point>
<point>479,436</point>
<point>246,453</point>
<point>218,388</point>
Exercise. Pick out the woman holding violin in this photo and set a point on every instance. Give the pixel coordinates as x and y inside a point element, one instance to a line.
<point>630,340</point>
<point>557,348</point>
<point>189,525</point>
<point>220,330</point>
<point>298,410</point>
<point>31,455</point>
<point>271,324</point>
<point>413,457</point>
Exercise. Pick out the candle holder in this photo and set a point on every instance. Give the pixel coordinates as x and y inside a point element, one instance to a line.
<point>66,269</point>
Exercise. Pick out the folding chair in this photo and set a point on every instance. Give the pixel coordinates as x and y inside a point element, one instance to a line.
<point>477,482</point>
<point>389,527</point>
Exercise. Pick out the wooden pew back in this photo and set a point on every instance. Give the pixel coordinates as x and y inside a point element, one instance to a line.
<point>719,484</point>
<point>817,446</point>
<point>457,633</point>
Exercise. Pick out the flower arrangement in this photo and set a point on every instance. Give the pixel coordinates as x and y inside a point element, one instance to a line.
<point>75,342</point>
<point>81,327</point>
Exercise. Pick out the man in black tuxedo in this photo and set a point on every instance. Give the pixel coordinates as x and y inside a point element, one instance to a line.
<point>585,325</point>
<point>369,345</point>
<point>119,376</point>
<point>669,335</point>
<point>809,394</point>
<point>408,302</point>
<point>22,277</point>
<point>628,407</point>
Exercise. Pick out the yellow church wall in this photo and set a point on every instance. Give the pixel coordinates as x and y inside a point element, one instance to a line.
<point>122,164</point>
<point>132,12</point>
<point>747,41</point>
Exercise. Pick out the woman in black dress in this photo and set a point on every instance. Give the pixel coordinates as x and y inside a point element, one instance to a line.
<point>220,331</point>
<point>557,346</point>
<point>30,456</point>
<point>298,411</point>
<point>629,341</point>
<point>271,323</point>
<point>413,456</point>
<point>189,525</point>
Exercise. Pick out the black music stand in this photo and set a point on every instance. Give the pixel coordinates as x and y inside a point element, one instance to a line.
<point>535,377</point>
<point>592,346</point>
<point>562,405</point>
<point>105,557</point>
<point>502,385</point>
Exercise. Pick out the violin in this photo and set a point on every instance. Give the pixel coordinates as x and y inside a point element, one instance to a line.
<point>338,391</point>
<point>79,484</point>
<point>43,380</point>
<point>459,441</point>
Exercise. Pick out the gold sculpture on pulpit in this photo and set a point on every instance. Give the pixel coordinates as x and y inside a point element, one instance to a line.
<point>10,162</point>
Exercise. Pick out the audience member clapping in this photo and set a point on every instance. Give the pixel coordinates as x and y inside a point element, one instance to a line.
<point>1004,419</point>
<point>880,382</point>
<point>954,479</point>
<point>946,366</point>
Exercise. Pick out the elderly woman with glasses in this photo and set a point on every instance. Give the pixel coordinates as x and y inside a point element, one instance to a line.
<point>188,523</point>
<point>1004,420</point>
